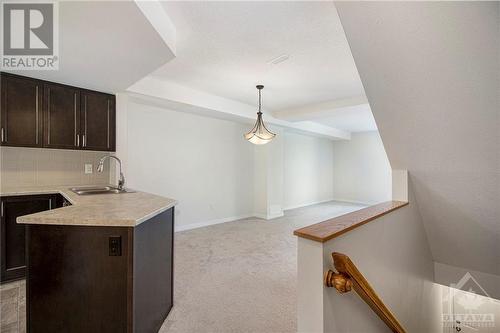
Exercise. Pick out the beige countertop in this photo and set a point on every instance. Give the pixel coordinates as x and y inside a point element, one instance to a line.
<point>120,210</point>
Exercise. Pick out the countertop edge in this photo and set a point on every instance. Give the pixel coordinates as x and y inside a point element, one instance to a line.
<point>110,222</point>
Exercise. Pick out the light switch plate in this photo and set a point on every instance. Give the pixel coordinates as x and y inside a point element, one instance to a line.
<point>88,168</point>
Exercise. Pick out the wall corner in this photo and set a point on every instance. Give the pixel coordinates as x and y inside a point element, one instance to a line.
<point>400,185</point>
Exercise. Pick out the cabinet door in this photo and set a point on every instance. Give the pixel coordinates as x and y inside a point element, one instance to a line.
<point>61,116</point>
<point>21,116</point>
<point>12,235</point>
<point>98,121</point>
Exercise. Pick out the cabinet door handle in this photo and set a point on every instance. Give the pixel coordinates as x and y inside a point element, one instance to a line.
<point>107,146</point>
<point>76,117</point>
<point>85,126</point>
<point>36,108</point>
<point>3,135</point>
<point>48,114</point>
<point>1,210</point>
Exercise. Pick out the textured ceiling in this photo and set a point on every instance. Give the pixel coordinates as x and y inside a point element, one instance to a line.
<point>357,118</point>
<point>224,48</point>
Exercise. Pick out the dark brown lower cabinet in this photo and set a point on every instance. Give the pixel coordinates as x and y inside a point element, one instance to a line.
<point>100,279</point>
<point>12,235</point>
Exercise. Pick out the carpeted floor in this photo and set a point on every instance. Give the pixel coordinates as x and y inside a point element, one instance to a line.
<point>241,276</point>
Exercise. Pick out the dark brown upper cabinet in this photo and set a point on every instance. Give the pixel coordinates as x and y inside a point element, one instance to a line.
<point>21,111</point>
<point>37,113</point>
<point>61,117</point>
<point>98,121</point>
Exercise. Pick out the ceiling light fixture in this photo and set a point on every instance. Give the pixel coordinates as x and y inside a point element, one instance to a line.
<point>259,135</point>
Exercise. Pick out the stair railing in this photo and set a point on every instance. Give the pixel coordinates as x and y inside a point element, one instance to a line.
<point>348,277</point>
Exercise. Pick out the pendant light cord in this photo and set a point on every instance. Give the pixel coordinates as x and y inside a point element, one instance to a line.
<point>260,103</point>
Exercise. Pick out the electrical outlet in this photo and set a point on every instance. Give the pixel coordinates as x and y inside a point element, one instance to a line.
<point>115,246</point>
<point>88,168</point>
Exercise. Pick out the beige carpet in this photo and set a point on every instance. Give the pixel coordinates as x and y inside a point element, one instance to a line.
<point>241,276</point>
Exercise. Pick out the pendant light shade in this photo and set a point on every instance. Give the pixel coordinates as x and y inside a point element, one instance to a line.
<point>259,135</point>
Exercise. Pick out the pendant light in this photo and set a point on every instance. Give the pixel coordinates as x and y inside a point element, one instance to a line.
<point>259,135</point>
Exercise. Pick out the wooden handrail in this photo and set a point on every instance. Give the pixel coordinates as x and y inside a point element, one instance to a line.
<point>349,277</point>
<point>332,228</point>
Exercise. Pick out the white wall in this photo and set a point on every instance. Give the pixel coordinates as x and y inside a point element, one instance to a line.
<point>361,169</point>
<point>308,165</point>
<point>430,71</point>
<point>268,176</point>
<point>202,162</point>
<point>215,174</point>
<point>448,275</point>
<point>392,252</point>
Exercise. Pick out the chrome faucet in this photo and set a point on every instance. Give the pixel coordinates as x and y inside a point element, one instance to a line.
<point>100,168</point>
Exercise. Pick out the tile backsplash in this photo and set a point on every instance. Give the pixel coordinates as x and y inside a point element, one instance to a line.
<point>21,167</point>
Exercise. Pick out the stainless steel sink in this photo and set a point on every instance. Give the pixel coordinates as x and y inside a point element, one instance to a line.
<point>89,190</point>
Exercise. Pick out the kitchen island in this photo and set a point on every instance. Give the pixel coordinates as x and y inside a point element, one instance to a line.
<point>102,264</point>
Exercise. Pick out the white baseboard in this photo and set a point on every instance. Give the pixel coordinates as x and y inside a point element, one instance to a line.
<point>274,216</point>
<point>212,222</point>
<point>308,204</point>
<point>269,216</point>
<point>355,202</point>
<point>261,216</point>
<point>225,220</point>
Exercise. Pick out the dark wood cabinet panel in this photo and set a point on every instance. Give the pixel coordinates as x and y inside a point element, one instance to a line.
<point>12,235</point>
<point>75,283</point>
<point>153,271</point>
<point>61,117</point>
<point>98,120</point>
<point>21,114</point>
<point>37,113</point>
